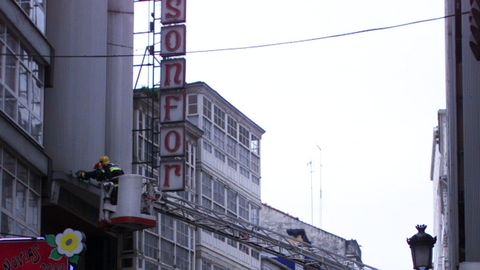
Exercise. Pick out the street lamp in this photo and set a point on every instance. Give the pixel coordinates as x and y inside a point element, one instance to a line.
<point>421,245</point>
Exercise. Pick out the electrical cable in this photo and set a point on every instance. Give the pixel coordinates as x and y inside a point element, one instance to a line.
<point>263,45</point>
<point>327,37</point>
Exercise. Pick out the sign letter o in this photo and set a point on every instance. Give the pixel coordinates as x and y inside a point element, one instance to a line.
<point>175,140</point>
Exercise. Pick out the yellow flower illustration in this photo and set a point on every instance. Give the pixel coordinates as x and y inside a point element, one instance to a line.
<point>69,243</point>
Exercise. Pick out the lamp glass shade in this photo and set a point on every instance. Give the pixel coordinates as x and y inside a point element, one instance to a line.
<point>422,256</point>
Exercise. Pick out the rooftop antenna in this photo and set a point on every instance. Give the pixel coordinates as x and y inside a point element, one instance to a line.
<point>311,187</point>
<point>320,178</point>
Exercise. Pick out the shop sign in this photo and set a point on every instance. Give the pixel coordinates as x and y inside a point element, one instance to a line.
<point>55,252</point>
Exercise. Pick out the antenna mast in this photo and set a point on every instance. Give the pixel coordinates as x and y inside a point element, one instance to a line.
<point>320,184</point>
<point>311,188</point>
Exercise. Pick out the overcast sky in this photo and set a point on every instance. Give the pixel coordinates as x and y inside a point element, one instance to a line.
<point>369,101</point>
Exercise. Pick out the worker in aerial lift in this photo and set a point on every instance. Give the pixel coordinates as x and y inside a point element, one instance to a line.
<point>104,171</point>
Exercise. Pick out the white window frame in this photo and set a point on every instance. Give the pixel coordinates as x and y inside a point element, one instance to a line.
<point>28,223</point>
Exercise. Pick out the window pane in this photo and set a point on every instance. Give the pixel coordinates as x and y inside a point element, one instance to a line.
<point>232,127</point>
<point>39,15</point>
<point>182,258</point>
<point>182,234</point>
<point>10,104</point>
<point>219,117</point>
<point>23,85</point>
<point>9,162</point>
<point>25,58</point>
<point>1,56</point>
<point>35,182</point>
<point>243,207</point>
<point>206,265</point>
<point>219,138</point>
<point>219,155</point>
<point>167,227</point>
<point>37,70</point>
<point>37,129</point>
<point>192,104</point>
<point>219,193</point>
<point>232,200</point>
<point>2,95</point>
<point>7,224</point>
<point>23,117</point>
<point>150,266</point>
<point>11,70</point>
<point>22,172</point>
<point>207,185</point>
<point>2,31</point>
<point>33,210</point>
<point>218,208</point>
<point>244,156</point>
<point>255,145</point>
<point>21,201</point>
<point>243,136</point>
<point>151,245</point>
<point>232,164</point>
<point>36,104</point>
<point>167,252</point>
<point>207,108</point>
<point>12,42</point>
<point>25,5</point>
<point>7,192</point>
<point>207,129</point>
<point>232,147</point>
<point>20,229</point>
<point>255,164</point>
<point>206,203</point>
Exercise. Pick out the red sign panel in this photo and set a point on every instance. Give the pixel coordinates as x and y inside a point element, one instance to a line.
<point>172,107</point>
<point>172,175</point>
<point>173,74</point>
<point>172,140</point>
<point>29,255</point>
<point>173,11</point>
<point>173,41</point>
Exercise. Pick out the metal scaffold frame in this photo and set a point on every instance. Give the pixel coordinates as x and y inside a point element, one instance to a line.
<point>255,236</point>
<point>146,82</point>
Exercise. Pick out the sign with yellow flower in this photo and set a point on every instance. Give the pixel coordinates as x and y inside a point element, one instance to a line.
<point>70,244</point>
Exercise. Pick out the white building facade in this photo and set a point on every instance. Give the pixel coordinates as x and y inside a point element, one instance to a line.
<point>278,221</point>
<point>25,60</point>
<point>223,174</point>
<point>438,175</point>
<point>462,135</point>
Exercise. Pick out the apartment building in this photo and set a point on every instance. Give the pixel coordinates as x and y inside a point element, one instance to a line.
<point>223,174</point>
<point>438,175</point>
<point>25,73</point>
<point>281,222</point>
<point>462,137</point>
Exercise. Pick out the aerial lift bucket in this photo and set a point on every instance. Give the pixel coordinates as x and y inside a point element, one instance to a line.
<point>134,208</point>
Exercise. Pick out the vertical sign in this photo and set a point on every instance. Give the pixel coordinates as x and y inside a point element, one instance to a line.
<point>172,96</point>
<point>173,11</point>
<point>173,40</point>
<point>172,73</point>
<point>172,107</point>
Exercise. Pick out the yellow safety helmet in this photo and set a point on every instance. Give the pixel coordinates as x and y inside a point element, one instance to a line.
<point>104,159</point>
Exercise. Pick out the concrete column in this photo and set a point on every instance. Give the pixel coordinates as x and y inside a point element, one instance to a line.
<point>75,106</point>
<point>119,101</point>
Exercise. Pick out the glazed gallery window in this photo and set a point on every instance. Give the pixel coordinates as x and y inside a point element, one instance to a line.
<point>20,197</point>
<point>35,10</point>
<point>21,85</point>
<point>145,143</point>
